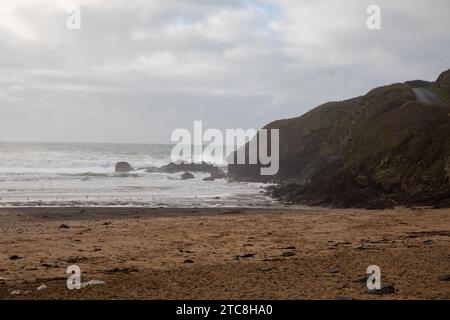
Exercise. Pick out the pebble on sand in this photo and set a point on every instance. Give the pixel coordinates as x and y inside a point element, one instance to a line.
<point>248,255</point>
<point>333,270</point>
<point>388,288</point>
<point>445,277</point>
<point>288,254</point>
<point>15,292</point>
<point>362,279</point>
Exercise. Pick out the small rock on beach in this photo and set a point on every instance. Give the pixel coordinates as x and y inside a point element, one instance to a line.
<point>385,289</point>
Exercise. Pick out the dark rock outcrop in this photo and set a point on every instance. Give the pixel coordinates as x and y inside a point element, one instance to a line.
<point>375,151</point>
<point>214,171</point>
<point>152,169</point>
<point>187,175</point>
<point>123,167</point>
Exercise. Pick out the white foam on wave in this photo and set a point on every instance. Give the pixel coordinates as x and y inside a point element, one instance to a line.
<point>77,174</point>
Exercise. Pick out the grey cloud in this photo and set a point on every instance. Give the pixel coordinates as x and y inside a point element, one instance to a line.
<point>137,70</point>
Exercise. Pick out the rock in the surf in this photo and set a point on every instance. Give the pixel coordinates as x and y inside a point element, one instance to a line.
<point>123,167</point>
<point>187,175</point>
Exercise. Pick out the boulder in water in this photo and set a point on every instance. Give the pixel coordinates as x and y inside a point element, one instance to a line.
<point>123,167</point>
<point>187,175</point>
<point>215,172</point>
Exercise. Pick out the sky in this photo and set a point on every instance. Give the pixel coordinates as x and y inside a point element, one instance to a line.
<point>137,70</point>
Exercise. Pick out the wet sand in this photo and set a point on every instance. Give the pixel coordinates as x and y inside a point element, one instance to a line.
<point>223,253</point>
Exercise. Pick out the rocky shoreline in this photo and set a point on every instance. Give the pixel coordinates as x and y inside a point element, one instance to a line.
<point>345,194</point>
<point>186,168</point>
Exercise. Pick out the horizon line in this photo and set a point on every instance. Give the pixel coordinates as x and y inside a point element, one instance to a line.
<point>84,142</point>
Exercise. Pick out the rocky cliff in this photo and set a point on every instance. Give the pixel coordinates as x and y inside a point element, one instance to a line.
<point>379,150</point>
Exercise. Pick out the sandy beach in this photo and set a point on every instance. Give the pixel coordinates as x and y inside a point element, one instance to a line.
<point>223,253</point>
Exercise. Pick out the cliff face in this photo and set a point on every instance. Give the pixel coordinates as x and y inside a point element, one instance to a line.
<point>378,150</point>
<point>442,85</point>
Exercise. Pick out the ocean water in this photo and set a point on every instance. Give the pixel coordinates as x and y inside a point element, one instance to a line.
<point>80,174</point>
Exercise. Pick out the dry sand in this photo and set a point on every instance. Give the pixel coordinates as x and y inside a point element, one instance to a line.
<point>235,254</point>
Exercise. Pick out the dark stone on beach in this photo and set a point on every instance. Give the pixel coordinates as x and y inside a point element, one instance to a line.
<point>188,261</point>
<point>64,226</point>
<point>187,175</point>
<point>15,257</point>
<point>122,270</point>
<point>362,279</point>
<point>47,265</point>
<point>208,179</point>
<point>288,254</point>
<point>123,167</point>
<point>445,277</point>
<point>333,270</point>
<point>385,289</point>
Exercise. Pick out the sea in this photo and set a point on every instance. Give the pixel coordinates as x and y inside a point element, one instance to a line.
<point>82,174</point>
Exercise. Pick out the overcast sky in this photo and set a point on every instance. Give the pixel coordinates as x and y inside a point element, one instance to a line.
<point>137,70</point>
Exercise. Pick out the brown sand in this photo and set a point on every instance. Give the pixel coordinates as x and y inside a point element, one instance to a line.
<point>148,249</point>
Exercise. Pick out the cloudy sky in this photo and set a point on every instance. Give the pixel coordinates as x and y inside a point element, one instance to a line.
<point>137,70</point>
